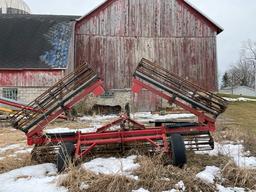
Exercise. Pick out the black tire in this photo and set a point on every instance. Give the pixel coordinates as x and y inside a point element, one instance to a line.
<point>178,150</point>
<point>65,155</point>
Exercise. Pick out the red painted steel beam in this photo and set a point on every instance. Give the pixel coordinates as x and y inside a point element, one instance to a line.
<point>105,127</point>
<point>17,105</point>
<point>24,107</point>
<point>121,140</point>
<point>87,150</point>
<point>130,134</point>
<point>121,119</point>
<point>96,88</point>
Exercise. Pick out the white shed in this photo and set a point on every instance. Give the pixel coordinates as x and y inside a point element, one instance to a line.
<point>239,90</point>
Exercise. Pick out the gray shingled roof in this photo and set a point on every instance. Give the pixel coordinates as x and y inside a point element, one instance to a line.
<point>35,41</point>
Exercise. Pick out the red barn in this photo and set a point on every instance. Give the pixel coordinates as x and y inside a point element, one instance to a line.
<point>116,35</point>
<point>34,53</point>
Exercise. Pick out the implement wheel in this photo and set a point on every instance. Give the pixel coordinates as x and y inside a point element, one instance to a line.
<point>65,155</point>
<point>178,150</point>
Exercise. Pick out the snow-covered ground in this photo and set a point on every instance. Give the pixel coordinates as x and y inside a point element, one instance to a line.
<point>68,130</point>
<point>39,178</point>
<point>45,178</point>
<point>98,118</point>
<point>147,116</point>
<point>230,189</point>
<point>9,147</point>
<point>13,150</point>
<point>140,190</point>
<point>179,187</point>
<point>238,99</point>
<point>112,166</point>
<point>97,121</point>
<point>211,174</point>
<point>235,152</point>
<point>140,116</point>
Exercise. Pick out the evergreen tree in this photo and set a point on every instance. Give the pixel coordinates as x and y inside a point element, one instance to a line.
<point>225,80</point>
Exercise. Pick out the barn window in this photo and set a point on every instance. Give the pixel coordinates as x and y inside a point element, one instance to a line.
<point>108,94</point>
<point>10,93</point>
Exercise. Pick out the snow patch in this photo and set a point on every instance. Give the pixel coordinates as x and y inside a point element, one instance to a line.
<point>142,116</point>
<point>28,150</point>
<point>98,118</point>
<point>179,187</point>
<point>209,174</point>
<point>83,186</point>
<point>235,152</point>
<point>172,190</point>
<point>83,130</point>
<point>238,99</point>
<point>140,190</point>
<point>43,177</point>
<point>9,147</point>
<point>229,189</point>
<point>68,130</point>
<point>60,130</point>
<point>121,166</point>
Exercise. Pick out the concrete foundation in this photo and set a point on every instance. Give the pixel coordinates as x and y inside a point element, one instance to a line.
<point>27,94</point>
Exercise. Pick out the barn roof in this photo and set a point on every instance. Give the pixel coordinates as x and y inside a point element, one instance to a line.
<point>106,3</point>
<point>35,41</point>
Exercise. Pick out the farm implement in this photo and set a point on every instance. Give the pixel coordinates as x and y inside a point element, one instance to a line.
<point>8,106</point>
<point>124,133</point>
<point>11,106</point>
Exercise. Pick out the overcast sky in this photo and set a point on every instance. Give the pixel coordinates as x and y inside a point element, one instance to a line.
<point>236,17</point>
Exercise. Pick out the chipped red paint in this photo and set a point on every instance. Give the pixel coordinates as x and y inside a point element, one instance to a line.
<point>29,77</point>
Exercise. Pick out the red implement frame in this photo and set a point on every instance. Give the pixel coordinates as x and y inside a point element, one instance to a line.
<point>155,136</point>
<point>129,131</point>
<point>23,106</point>
<point>105,136</point>
<point>96,89</point>
<point>202,118</point>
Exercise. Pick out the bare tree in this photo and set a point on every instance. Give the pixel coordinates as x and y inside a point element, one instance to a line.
<point>248,56</point>
<point>244,72</point>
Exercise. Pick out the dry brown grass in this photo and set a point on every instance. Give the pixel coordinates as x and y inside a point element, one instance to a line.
<point>238,177</point>
<point>9,136</point>
<point>69,124</point>
<point>239,123</point>
<point>10,163</point>
<point>109,183</point>
<point>153,176</point>
<point>10,160</point>
<point>199,162</point>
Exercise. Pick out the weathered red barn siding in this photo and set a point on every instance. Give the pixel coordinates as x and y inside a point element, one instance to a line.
<point>29,78</point>
<point>115,38</point>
